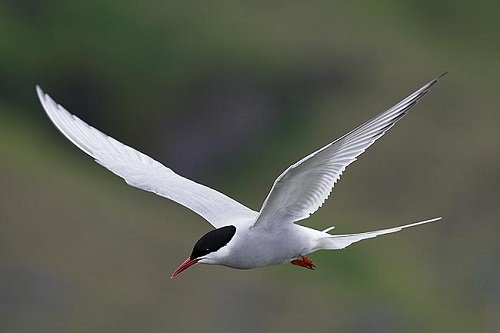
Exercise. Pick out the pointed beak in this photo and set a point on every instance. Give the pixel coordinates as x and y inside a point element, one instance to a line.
<point>185,265</point>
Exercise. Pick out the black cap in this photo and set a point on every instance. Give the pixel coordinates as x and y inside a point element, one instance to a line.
<point>213,241</point>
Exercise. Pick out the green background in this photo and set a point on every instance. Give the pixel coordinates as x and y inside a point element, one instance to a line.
<point>229,93</point>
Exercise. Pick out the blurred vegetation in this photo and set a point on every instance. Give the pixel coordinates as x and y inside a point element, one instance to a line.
<point>230,93</point>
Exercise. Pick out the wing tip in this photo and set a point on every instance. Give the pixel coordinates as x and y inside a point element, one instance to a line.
<point>440,76</point>
<point>39,92</point>
<point>430,84</point>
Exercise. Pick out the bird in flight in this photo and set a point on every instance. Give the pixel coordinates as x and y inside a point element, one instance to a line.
<point>244,238</point>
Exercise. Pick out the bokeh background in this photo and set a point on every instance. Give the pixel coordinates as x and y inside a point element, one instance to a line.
<point>229,93</point>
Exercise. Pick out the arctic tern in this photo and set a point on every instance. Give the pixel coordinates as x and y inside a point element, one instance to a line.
<point>244,238</point>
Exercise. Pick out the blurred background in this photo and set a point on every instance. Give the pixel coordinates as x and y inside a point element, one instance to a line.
<point>230,93</point>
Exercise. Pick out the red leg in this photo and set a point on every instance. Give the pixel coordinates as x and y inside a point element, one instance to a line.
<point>303,261</point>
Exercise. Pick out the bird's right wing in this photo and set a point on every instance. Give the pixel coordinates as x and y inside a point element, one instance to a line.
<point>143,172</point>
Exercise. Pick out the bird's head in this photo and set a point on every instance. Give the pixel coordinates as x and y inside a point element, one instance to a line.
<point>208,249</point>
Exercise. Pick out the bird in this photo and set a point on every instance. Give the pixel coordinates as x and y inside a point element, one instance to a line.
<point>243,238</point>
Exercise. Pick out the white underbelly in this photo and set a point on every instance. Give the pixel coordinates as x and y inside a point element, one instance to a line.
<point>271,248</point>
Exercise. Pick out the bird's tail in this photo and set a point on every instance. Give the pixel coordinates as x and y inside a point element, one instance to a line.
<point>335,242</point>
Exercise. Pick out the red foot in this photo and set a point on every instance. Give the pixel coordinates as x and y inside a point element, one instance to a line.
<point>303,261</point>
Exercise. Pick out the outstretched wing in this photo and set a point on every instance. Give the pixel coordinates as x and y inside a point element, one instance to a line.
<point>302,188</point>
<point>143,172</point>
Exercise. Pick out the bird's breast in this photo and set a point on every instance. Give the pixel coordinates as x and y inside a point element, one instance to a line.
<point>254,247</point>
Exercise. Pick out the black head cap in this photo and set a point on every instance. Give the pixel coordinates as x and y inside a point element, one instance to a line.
<point>212,241</point>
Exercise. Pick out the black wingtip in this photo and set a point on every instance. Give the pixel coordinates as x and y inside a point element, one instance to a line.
<point>440,76</point>
<point>433,82</point>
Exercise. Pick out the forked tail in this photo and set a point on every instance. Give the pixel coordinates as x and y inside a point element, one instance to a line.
<point>335,242</point>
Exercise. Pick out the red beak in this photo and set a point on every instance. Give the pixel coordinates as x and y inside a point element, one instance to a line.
<point>185,265</point>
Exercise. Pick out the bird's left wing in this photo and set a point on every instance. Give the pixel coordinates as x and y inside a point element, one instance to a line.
<point>302,188</point>
<point>141,171</point>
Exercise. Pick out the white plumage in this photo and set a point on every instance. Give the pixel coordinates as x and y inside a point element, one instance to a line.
<point>261,238</point>
<point>141,171</point>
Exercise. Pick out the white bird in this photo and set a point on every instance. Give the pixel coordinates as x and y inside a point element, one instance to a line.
<point>244,238</point>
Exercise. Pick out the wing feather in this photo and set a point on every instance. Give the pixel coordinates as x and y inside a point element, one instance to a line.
<point>141,171</point>
<point>303,188</point>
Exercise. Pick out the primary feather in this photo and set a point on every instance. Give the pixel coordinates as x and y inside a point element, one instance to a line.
<point>302,188</point>
<point>141,171</point>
